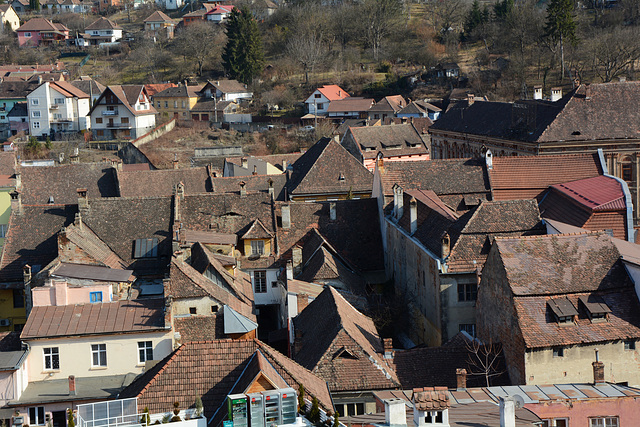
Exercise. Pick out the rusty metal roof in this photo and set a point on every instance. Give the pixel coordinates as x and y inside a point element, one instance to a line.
<point>93,272</point>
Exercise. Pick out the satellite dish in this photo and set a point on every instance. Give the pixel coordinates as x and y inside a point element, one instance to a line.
<point>519,400</point>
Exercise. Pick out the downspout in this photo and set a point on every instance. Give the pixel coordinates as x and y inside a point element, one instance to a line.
<point>628,201</point>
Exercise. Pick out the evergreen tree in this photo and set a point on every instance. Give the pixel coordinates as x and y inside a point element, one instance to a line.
<point>475,18</point>
<point>34,5</point>
<point>561,24</point>
<point>243,57</point>
<point>502,9</point>
<point>314,414</point>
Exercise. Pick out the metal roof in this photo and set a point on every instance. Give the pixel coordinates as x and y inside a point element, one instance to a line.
<point>93,272</point>
<point>236,323</point>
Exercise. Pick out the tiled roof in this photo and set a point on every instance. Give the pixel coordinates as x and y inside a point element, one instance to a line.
<point>252,184</point>
<point>199,328</point>
<point>40,183</point>
<point>257,231</point>
<point>95,319</point>
<point>16,89</point>
<point>31,238</point>
<point>103,24</point>
<point>211,369</point>
<point>601,193</point>
<point>326,267</point>
<point>153,88</point>
<point>430,399</point>
<point>68,90</point>
<point>333,92</point>
<point>390,140</point>
<point>350,104</point>
<point>393,104</point>
<point>328,168</point>
<point>163,182</point>
<point>229,86</point>
<point>84,239</point>
<point>526,177</point>
<point>159,16</point>
<point>128,95</point>
<point>179,91</point>
<point>342,345</point>
<point>8,161</point>
<point>560,264</point>
<point>41,24</point>
<point>89,86</point>
<point>274,159</point>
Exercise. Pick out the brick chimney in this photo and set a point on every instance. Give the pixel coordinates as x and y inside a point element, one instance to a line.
<point>387,343</point>
<point>72,385</point>
<point>243,190</point>
<point>380,162</point>
<point>461,379</point>
<point>446,245</point>
<point>507,412</point>
<point>598,371</point>
<point>16,202</point>
<point>395,412</point>
<point>18,180</point>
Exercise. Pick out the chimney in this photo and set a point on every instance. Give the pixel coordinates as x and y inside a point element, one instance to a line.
<point>18,180</point>
<point>395,412</point>
<point>598,370</point>
<point>622,78</point>
<point>72,385</point>
<point>26,273</point>
<point>556,94</point>
<point>296,258</point>
<point>83,201</point>
<point>446,245</point>
<point>39,79</point>
<point>332,211</point>
<point>507,412</point>
<point>245,163</point>
<point>398,202</point>
<point>289,270</point>
<point>413,214</point>
<point>255,170</point>
<point>60,289</point>
<point>387,344</point>
<point>16,202</point>
<point>284,166</point>
<point>488,159</point>
<point>243,190</point>
<point>270,181</point>
<point>77,221</point>
<point>286,217</point>
<point>75,157</point>
<point>180,190</point>
<point>380,161</point>
<point>587,91</point>
<point>175,161</point>
<point>470,99</point>
<point>461,379</point>
<point>537,92</point>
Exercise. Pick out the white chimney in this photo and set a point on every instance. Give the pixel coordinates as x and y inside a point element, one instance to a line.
<point>395,413</point>
<point>332,211</point>
<point>488,159</point>
<point>507,412</point>
<point>413,214</point>
<point>398,201</point>
<point>286,217</point>
<point>537,92</point>
<point>556,94</point>
<point>289,270</point>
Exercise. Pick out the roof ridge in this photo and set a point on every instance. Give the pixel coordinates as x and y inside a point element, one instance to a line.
<point>542,236</point>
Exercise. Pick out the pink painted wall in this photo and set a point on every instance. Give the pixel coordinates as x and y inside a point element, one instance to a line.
<point>371,163</point>
<point>34,39</point>
<point>60,293</point>
<point>579,411</point>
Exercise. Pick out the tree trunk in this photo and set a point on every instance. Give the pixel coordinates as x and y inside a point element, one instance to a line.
<point>562,57</point>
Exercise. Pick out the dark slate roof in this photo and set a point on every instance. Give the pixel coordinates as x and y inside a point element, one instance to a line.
<point>328,168</point>
<point>17,89</point>
<point>19,110</point>
<point>560,264</point>
<point>92,272</point>
<point>31,238</point>
<point>89,86</point>
<point>342,346</point>
<point>163,182</point>
<point>39,183</point>
<point>252,184</point>
<point>219,365</point>
<point>390,140</point>
<point>95,319</point>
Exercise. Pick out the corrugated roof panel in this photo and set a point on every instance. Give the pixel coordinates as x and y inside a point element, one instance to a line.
<point>608,390</point>
<point>552,392</point>
<point>571,391</point>
<point>589,390</point>
<point>513,390</point>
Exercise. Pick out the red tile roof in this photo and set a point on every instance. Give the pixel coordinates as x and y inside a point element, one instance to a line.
<point>431,399</point>
<point>601,193</point>
<point>333,92</point>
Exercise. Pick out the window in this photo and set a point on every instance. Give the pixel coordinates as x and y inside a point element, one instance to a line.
<point>95,297</point>
<point>629,345</point>
<point>35,114</point>
<point>3,230</point>
<point>182,104</point>
<point>467,292</point>
<point>98,355</point>
<point>18,298</point>
<point>124,120</point>
<point>320,106</point>
<point>558,352</point>
<point>59,101</point>
<point>193,310</point>
<point>166,104</point>
<point>604,422</point>
<point>214,308</point>
<point>27,34</point>
<point>317,95</point>
<point>274,284</point>
<point>36,125</point>
<point>36,415</point>
<point>257,247</point>
<point>175,104</point>
<point>145,351</point>
<point>100,132</point>
<point>35,101</point>
<point>51,358</point>
<point>627,172</point>
<point>146,248</point>
<point>469,328</point>
<point>99,120</point>
<point>260,281</point>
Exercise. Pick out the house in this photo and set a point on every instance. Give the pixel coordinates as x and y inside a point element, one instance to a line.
<point>74,6</point>
<point>446,71</point>
<point>57,107</point>
<point>20,6</point>
<point>159,25</point>
<point>543,127</point>
<point>394,142</point>
<point>542,314</point>
<point>219,14</point>
<point>226,367</point>
<point>12,367</point>
<point>349,108</point>
<point>226,90</point>
<point>38,31</point>
<point>8,17</point>
<point>318,102</point>
<point>177,101</point>
<point>328,172</point>
<point>18,118</point>
<point>102,31</point>
<point>122,112</point>
<point>170,4</point>
<point>89,86</point>
<point>212,111</point>
<point>195,16</point>
<point>106,5</point>
<point>420,108</point>
<point>388,106</point>
<point>342,346</point>
<point>11,93</point>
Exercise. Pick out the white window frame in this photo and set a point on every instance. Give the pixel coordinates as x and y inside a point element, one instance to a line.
<point>612,421</point>
<point>35,101</point>
<point>51,356</point>
<point>36,114</point>
<point>257,247</point>
<point>145,351</point>
<point>260,283</point>
<point>99,355</point>
<point>36,416</point>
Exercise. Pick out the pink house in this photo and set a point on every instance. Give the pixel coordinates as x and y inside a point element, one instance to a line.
<point>38,31</point>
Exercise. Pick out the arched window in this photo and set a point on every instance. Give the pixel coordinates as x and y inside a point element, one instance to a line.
<point>626,169</point>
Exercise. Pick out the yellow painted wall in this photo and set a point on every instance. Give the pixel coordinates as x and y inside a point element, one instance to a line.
<point>18,316</point>
<point>170,109</point>
<point>247,246</point>
<point>5,208</point>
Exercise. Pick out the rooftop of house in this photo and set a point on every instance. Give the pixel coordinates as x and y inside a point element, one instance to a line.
<point>219,365</point>
<point>153,88</point>
<point>393,103</point>
<point>180,91</point>
<point>391,141</point>
<point>88,246</point>
<point>328,168</point>
<point>146,183</point>
<point>159,16</point>
<point>92,272</point>
<point>95,319</point>
<point>228,86</point>
<point>103,24</point>
<point>42,24</point>
<point>350,104</point>
<point>128,95</point>
<point>341,345</point>
<point>11,351</point>
<point>601,193</point>
<point>67,89</point>
<point>89,86</point>
<point>526,177</point>
<point>333,92</point>
<point>252,184</point>
<point>16,89</point>
<point>274,159</point>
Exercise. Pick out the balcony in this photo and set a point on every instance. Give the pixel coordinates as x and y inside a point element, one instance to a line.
<point>110,112</point>
<point>119,125</point>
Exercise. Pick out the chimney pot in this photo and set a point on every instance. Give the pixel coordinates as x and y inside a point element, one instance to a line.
<point>255,170</point>
<point>16,202</point>
<point>245,163</point>
<point>289,270</point>
<point>270,181</point>
<point>413,214</point>
<point>461,379</point>
<point>395,412</point>
<point>243,190</point>
<point>537,92</point>
<point>72,385</point>
<point>556,94</point>
<point>507,412</point>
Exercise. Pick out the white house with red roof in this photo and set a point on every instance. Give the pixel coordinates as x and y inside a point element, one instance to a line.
<point>318,102</point>
<point>219,13</point>
<point>57,107</point>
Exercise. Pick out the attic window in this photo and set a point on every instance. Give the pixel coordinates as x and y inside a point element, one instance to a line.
<point>563,310</point>
<point>146,248</point>
<point>345,353</point>
<point>595,307</point>
<point>576,132</point>
<point>341,177</point>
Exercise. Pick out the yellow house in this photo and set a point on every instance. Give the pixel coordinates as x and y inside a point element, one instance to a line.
<point>176,102</point>
<point>257,240</point>
<point>8,17</point>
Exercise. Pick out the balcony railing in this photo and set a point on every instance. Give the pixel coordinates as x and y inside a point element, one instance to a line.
<point>119,125</point>
<point>110,112</point>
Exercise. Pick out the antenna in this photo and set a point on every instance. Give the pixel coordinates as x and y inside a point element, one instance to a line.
<point>519,400</point>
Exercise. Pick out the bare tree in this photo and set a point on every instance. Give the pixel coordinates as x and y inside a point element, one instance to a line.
<point>200,41</point>
<point>306,49</point>
<point>484,359</point>
<point>614,52</point>
<point>379,18</point>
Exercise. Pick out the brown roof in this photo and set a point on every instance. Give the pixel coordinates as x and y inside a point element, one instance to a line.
<point>199,328</point>
<point>153,88</point>
<point>95,319</point>
<point>328,168</point>
<point>40,183</point>
<point>89,244</point>
<point>128,95</point>
<point>41,24</point>
<point>252,184</point>
<point>430,399</point>
<point>390,140</point>
<point>229,86</point>
<point>274,159</point>
<point>103,24</point>
<point>526,177</point>
<point>163,182</point>
<point>342,346</point>
<point>180,91</point>
<point>393,103</point>
<point>159,16</point>
<point>219,365</point>
<point>350,104</point>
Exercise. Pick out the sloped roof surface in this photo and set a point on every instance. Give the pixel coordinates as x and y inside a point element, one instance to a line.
<point>350,104</point>
<point>41,24</point>
<point>103,24</point>
<point>391,140</point>
<point>159,16</point>
<point>601,193</point>
<point>163,182</point>
<point>92,246</point>
<point>333,92</point>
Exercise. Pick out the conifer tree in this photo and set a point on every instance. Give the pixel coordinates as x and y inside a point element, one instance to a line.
<point>561,24</point>
<point>243,56</point>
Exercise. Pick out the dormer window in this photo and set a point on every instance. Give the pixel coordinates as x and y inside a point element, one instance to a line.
<point>596,308</point>
<point>257,247</point>
<point>563,310</point>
